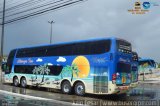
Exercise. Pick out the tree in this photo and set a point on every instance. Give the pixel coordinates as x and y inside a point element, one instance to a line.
<point>41,70</point>
<point>68,71</point>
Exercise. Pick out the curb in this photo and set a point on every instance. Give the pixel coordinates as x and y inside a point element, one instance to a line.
<point>34,98</point>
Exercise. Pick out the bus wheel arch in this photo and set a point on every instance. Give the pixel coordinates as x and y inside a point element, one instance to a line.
<point>66,87</point>
<point>15,81</point>
<point>23,82</point>
<point>79,88</point>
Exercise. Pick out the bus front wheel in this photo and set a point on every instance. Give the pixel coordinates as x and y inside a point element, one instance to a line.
<point>15,81</point>
<point>79,89</point>
<point>23,82</point>
<point>66,87</point>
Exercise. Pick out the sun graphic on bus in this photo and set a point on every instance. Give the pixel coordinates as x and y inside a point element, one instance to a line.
<point>83,66</point>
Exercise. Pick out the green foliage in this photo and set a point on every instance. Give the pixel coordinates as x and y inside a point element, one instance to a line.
<point>67,71</point>
<point>75,69</point>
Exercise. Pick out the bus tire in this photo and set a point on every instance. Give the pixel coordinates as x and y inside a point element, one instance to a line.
<point>15,81</point>
<point>79,89</point>
<point>66,87</point>
<point>23,82</point>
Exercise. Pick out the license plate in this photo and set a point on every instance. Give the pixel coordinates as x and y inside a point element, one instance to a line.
<point>123,80</point>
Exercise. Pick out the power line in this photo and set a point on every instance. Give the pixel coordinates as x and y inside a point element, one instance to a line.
<point>42,12</point>
<point>30,2</point>
<point>34,8</point>
<point>47,12</point>
<point>8,3</point>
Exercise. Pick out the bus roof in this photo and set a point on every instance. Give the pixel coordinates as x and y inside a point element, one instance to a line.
<point>77,41</point>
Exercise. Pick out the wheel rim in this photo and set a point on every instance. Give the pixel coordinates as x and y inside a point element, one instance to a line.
<point>80,89</point>
<point>24,83</point>
<point>66,88</point>
<point>16,82</point>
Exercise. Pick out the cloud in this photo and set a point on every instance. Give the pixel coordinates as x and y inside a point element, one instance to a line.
<point>39,60</point>
<point>50,64</point>
<point>104,19</point>
<point>61,59</point>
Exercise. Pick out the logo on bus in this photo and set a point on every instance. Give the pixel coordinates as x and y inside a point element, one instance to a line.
<point>24,61</point>
<point>99,60</point>
<point>124,60</point>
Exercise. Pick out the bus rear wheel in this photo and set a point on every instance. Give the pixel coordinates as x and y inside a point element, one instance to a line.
<point>79,89</point>
<point>15,81</point>
<point>66,87</point>
<point>23,82</point>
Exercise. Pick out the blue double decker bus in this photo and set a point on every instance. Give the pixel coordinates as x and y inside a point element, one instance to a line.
<point>147,66</point>
<point>99,66</point>
<point>134,70</point>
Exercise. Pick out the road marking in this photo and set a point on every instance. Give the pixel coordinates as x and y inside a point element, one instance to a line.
<point>33,97</point>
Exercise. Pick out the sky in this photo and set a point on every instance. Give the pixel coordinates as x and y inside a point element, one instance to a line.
<point>91,19</point>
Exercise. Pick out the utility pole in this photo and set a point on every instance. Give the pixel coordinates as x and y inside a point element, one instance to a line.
<point>2,36</point>
<point>51,22</point>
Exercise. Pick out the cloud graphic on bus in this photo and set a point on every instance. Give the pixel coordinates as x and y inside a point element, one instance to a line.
<point>39,60</point>
<point>61,59</point>
<point>50,64</point>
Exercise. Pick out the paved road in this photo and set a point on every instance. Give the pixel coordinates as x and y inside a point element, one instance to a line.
<point>144,92</point>
<point>33,96</point>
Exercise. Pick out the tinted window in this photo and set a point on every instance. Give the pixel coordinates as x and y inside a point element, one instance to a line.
<point>10,61</point>
<point>122,67</point>
<point>24,69</point>
<point>28,69</point>
<point>55,70</point>
<point>32,52</point>
<point>97,47</point>
<point>60,50</point>
<point>124,46</point>
<point>86,48</point>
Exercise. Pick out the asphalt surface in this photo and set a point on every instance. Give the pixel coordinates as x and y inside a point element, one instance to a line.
<point>146,94</point>
<point>143,93</point>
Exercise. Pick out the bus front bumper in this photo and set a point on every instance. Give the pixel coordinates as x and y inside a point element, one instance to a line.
<point>121,89</point>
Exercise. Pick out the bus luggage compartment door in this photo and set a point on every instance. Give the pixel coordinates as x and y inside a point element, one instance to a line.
<point>100,80</point>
